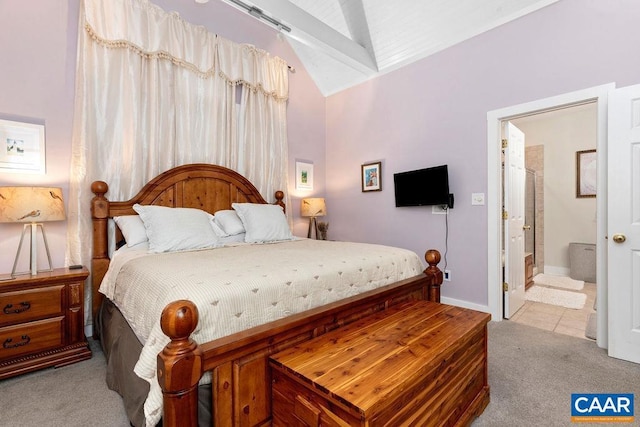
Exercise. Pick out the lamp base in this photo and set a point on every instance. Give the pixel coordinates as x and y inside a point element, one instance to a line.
<point>33,229</point>
<point>313,225</point>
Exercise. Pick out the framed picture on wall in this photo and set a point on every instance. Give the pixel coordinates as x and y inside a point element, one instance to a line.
<point>586,173</point>
<point>372,177</point>
<point>21,147</point>
<point>304,176</point>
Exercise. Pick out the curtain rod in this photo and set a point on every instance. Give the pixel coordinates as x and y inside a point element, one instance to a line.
<point>258,13</point>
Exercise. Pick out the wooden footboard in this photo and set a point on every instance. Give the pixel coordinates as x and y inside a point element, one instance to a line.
<point>241,379</point>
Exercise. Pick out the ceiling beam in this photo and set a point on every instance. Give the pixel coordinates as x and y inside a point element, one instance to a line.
<point>314,33</point>
<point>356,19</point>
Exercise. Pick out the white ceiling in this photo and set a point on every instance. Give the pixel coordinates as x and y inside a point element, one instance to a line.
<point>345,42</point>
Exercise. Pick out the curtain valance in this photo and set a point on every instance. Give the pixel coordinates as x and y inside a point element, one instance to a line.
<point>151,32</point>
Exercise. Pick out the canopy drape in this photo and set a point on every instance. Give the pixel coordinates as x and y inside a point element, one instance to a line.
<point>154,92</point>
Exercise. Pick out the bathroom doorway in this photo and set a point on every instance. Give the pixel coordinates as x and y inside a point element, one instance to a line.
<point>495,118</point>
<point>554,217</point>
<point>558,298</point>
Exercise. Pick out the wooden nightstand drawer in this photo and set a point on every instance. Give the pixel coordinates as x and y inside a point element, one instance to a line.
<point>30,304</point>
<point>30,337</point>
<point>42,321</point>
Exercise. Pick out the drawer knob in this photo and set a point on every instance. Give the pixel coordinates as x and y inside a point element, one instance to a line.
<point>23,306</point>
<point>8,343</point>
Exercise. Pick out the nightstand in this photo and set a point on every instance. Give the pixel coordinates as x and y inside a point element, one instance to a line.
<point>42,321</point>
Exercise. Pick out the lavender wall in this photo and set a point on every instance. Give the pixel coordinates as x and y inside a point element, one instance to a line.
<point>434,112</point>
<point>38,53</point>
<point>37,80</point>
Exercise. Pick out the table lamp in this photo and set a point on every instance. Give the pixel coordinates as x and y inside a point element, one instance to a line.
<point>312,208</point>
<point>31,206</point>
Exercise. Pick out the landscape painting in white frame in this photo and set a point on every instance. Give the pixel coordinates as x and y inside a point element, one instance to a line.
<point>304,176</point>
<point>22,147</point>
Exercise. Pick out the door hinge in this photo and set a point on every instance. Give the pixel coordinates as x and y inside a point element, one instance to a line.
<point>505,143</point>
<point>505,287</point>
<point>505,215</point>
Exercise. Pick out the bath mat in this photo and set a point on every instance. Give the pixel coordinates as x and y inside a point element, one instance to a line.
<point>590,331</point>
<point>558,297</point>
<point>558,281</point>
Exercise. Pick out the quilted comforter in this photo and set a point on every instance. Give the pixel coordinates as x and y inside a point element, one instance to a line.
<point>240,286</point>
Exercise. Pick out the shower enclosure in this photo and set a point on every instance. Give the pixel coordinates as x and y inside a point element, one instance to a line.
<point>530,214</point>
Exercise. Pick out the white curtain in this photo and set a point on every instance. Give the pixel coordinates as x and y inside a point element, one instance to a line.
<point>154,92</point>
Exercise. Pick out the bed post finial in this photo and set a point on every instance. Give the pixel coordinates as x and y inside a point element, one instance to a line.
<point>99,256</point>
<point>180,365</point>
<point>280,199</point>
<point>435,275</point>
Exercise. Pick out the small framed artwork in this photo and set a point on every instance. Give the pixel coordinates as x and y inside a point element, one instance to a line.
<point>21,147</point>
<point>304,176</point>
<point>372,177</point>
<point>586,173</point>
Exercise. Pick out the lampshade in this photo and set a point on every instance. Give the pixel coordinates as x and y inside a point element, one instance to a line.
<point>31,204</point>
<point>313,207</point>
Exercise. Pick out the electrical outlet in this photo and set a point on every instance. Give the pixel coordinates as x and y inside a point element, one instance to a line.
<point>447,275</point>
<point>439,209</point>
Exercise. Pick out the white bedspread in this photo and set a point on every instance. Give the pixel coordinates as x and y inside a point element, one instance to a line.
<point>238,287</point>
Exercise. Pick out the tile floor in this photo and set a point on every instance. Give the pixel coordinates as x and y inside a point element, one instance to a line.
<point>558,319</point>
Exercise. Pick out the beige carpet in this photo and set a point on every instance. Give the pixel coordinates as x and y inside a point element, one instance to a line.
<point>558,281</point>
<point>559,297</point>
<point>70,396</point>
<point>532,373</point>
<point>591,329</point>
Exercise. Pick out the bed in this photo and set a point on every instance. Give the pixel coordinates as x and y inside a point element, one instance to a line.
<point>232,369</point>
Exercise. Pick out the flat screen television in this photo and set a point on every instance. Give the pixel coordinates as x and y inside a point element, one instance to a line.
<point>423,187</point>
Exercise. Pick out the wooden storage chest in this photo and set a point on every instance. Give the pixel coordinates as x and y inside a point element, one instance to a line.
<point>420,363</point>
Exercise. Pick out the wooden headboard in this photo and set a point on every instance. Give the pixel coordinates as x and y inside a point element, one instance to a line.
<point>202,186</point>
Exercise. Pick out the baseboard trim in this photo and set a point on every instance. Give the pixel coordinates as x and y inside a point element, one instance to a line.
<point>465,304</point>
<point>557,271</point>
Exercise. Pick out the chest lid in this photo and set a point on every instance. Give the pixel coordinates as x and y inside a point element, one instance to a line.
<point>369,364</point>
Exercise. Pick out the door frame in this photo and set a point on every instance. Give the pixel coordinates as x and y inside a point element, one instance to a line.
<point>494,192</point>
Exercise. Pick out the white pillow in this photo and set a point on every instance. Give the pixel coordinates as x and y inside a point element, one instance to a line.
<point>132,229</point>
<point>216,228</point>
<point>229,222</point>
<point>236,238</point>
<point>263,223</point>
<point>176,229</point>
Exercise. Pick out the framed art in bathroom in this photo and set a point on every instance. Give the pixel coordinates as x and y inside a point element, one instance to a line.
<point>586,173</point>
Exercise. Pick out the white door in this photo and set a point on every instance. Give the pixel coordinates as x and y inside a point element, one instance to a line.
<point>514,182</point>
<point>623,228</point>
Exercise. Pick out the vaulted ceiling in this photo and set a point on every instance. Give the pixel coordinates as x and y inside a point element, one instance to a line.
<point>345,42</point>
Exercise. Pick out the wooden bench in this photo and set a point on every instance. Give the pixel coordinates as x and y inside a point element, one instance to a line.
<point>420,363</point>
